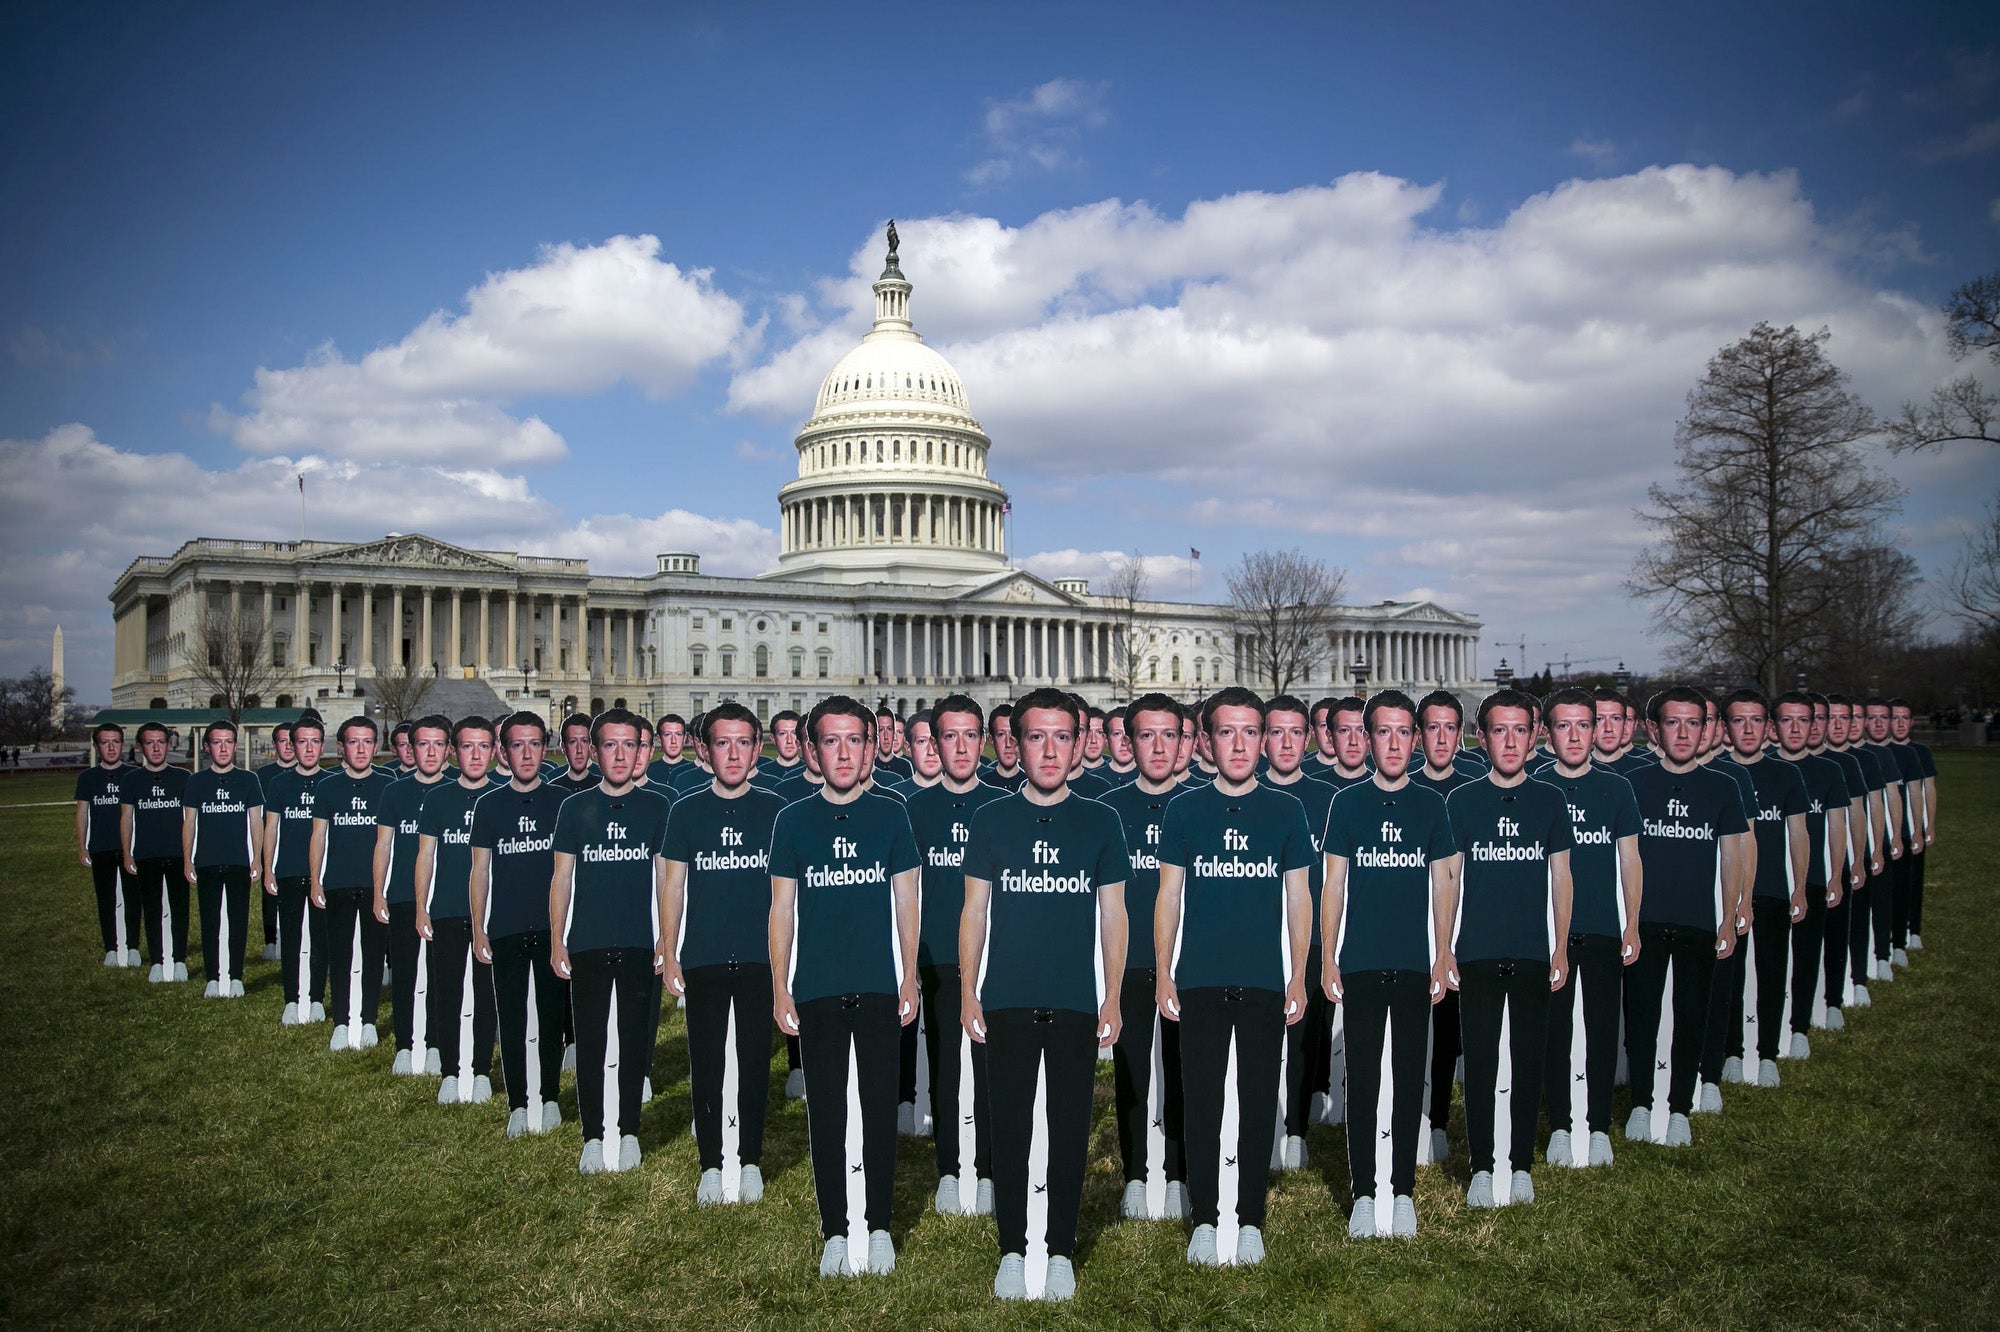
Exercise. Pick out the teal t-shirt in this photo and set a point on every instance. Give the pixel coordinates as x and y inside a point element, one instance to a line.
<point>726,845</point>
<point>1506,835</point>
<point>155,798</point>
<point>289,795</point>
<point>1143,814</point>
<point>941,820</point>
<point>98,787</point>
<point>446,814</point>
<point>1235,851</point>
<point>224,805</point>
<point>1046,864</point>
<point>398,811</point>
<point>517,830</point>
<point>347,805</point>
<point>1682,818</point>
<point>1780,792</point>
<point>1602,811</point>
<point>843,858</point>
<point>614,840</point>
<point>1826,789</point>
<point>1390,840</point>
<point>1317,797</point>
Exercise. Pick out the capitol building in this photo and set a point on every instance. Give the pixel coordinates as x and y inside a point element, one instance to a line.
<point>892,584</point>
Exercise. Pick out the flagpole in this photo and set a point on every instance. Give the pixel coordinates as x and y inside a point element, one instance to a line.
<point>302,508</point>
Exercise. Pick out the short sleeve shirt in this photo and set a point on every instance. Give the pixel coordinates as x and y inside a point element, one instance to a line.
<point>517,830</point>
<point>1317,798</point>
<point>1046,865</point>
<point>1143,813</point>
<point>223,804</point>
<point>98,787</point>
<point>1780,792</point>
<point>1390,840</point>
<point>446,814</point>
<point>1826,791</point>
<point>1507,835</point>
<point>614,840</point>
<point>843,858</point>
<point>155,798</point>
<point>289,795</point>
<point>1235,851</point>
<point>397,811</point>
<point>941,820</point>
<point>1602,812</point>
<point>347,805</point>
<point>726,846</point>
<point>1683,817</point>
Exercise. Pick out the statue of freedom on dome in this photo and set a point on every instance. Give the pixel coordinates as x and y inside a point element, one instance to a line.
<point>894,241</point>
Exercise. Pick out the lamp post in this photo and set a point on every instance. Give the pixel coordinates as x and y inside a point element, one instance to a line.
<point>340,678</point>
<point>527,679</point>
<point>1359,670</point>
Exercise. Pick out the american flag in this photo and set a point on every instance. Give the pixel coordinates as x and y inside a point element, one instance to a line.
<point>1194,554</point>
<point>1006,507</point>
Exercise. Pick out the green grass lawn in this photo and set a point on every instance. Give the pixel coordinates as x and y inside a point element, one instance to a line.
<point>170,1161</point>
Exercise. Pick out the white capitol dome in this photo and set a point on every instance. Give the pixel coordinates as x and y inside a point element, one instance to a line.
<point>892,483</point>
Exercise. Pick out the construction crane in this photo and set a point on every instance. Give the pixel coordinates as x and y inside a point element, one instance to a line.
<point>1569,661</point>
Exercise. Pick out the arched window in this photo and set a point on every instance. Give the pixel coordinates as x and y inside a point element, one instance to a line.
<point>1177,670</point>
<point>283,702</point>
<point>763,661</point>
<point>1152,669</point>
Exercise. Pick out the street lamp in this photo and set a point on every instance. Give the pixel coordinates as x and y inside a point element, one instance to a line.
<point>527,679</point>
<point>340,677</point>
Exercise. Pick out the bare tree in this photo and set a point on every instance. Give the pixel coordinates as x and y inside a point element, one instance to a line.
<point>401,692</point>
<point>1125,588</point>
<point>1872,618</point>
<point>1960,409</point>
<point>33,710</point>
<point>1972,585</point>
<point>1771,493</point>
<point>225,653</point>
<point>1282,605</point>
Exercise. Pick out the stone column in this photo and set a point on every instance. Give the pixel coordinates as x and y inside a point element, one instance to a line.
<point>457,624</point>
<point>396,627</point>
<point>264,630</point>
<point>302,626</point>
<point>424,643</point>
<point>339,649</point>
<point>367,628</point>
<point>513,646</point>
<point>485,630</point>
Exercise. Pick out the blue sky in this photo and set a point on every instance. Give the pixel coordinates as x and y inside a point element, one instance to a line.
<point>1418,290</point>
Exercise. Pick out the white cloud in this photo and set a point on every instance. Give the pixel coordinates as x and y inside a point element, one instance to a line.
<point>576,321</point>
<point>1600,153</point>
<point>1972,141</point>
<point>1039,130</point>
<point>1166,575</point>
<point>621,543</point>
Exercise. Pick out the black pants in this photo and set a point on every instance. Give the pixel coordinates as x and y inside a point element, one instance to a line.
<point>1063,1043</point>
<point>516,958</point>
<point>1882,893</point>
<point>1691,955</point>
<point>1771,926</point>
<point>906,1066</point>
<point>827,1027</point>
<point>162,889</point>
<point>1522,986</point>
<point>1917,892</point>
<point>301,930</point>
<point>270,915</point>
<point>1308,1051</point>
<point>1723,1036</point>
<point>655,1010</point>
<point>595,975</point>
<point>711,993</point>
<point>1901,875</point>
<point>406,949</point>
<point>1446,1047</point>
<point>1371,999</point>
<point>445,960</point>
<point>345,909</point>
<point>224,894</point>
<point>943,1044</point>
<point>1596,962</point>
<point>1132,1074</point>
<point>115,901</point>
<point>1210,1016</point>
<point>1860,919</point>
<point>1839,927</point>
<point>1808,952</point>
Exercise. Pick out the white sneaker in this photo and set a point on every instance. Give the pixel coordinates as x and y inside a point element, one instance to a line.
<point>945,1200</point>
<point>1732,1069</point>
<point>236,989</point>
<point>370,1038</point>
<point>111,958</point>
<point>982,1199</point>
<point>517,1122</point>
<point>1600,1149</point>
<point>290,1017</point>
<point>1679,1134</point>
<point>1177,1200</point>
<point>592,1160</point>
<point>401,1068</point>
<point>1249,1246</point>
<point>1361,1222</point>
<point>750,1184</point>
<point>795,1085</point>
<point>155,975</point>
<point>317,1013</point>
<point>1480,1193</point>
<point>1059,1283</point>
<point>1132,1206</point>
<point>1767,1073</point>
<point>211,990</point>
<point>1559,1150</point>
<point>1711,1100</point>
<point>448,1091</point>
<point>1916,943</point>
<point>1296,1157</point>
<point>1801,1047</point>
<point>1640,1126</point>
<point>1011,1281</point>
<point>339,1041</point>
<point>1883,971</point>
<point>1440,1147</point>
<point>551,1116</point>
<point>433,1064</point>
<point>708,1189</point>
<point>133,959</point>
<point>628,1153</point>
<point>881,1252</point>
<point>482,1089</point>
<point>833,1258</point>
<point>1524,1187</point>
<point>906,1119</point>
<point>1835,1020</point>
<point>1403,1225</point>
<point>1900,957</point>
<point>1201,1247</point>
<point>181,974</point>
<point>1861,999</point>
